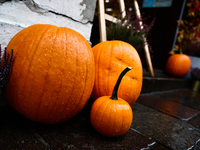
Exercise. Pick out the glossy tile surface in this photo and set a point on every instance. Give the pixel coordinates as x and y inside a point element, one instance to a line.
<point>168,106</point>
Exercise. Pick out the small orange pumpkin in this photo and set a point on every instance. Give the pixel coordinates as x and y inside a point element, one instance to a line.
<point>178,65</point>
<point>52,75</point>
<point>112,116</point>
<point>110,59</point>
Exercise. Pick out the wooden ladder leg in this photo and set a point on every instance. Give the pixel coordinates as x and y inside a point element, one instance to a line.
<point>122,8</point>
<point>146,48</point>
<point>102,22</point>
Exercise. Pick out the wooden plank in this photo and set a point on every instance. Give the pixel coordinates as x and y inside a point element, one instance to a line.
<point>122,8</point>
<point>102,23</point>
<point>146,48</point>
<point>111,18</point>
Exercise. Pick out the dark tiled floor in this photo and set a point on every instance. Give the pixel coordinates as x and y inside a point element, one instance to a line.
<point>162,121</point>
<point>166,105</point>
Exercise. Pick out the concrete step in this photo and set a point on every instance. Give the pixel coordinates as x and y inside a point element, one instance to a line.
<point>163,82</point>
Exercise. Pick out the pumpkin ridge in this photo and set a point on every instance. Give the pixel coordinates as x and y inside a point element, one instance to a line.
<point>83,91</point>
<point>102,51</point>
<point>86,78</point>
<point>133,72</point>
<point>65,52</point>
<point>86,70</point>
<point>110,121</point>
<point>121,129</point>
<point>101,115</point>
<point>22,111</point>
<point>33,56</point>
<point>67,105</point>
<point>119,115</point>
<point>121,47</point>
<point>40,102</point>
<point>47,74</point>
<point>100,73</point>
<point>65,47</point>
<point>122,50</point>
<point>31,59</point>
<point>9,82</point>
<point>71,108</point>
<point>109,68</point>
<point>113,111</point>
<point>61,80</point>
<point>62,76</point>
<point>80,99</point>
<point>75,75</point>
<point>97,68</point>
<point>96,112</point>
<point>58,95</point>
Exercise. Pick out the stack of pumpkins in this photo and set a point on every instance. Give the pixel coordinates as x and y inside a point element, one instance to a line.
<point>55,72</point>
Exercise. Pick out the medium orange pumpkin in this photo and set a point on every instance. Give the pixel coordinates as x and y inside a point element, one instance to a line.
<point>110,59</point>
<point>178,65</point>
<point>52,75</point>
<point>112,116</point>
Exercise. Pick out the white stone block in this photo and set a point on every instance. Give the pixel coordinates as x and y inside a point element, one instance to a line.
<point>7,31</point>
<point>62,13</point>
<point>71,8</point>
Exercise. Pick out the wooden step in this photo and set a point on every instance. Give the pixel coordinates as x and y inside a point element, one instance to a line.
<point>162,82</point>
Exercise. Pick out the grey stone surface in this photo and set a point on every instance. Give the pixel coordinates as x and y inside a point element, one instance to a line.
<point>77,15</point>
<point>7,31</point>
<point>88,13</point>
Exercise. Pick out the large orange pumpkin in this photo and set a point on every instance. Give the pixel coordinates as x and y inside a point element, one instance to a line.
<point>52,75</point>
<point>111,57</point>
<point>178,65</point>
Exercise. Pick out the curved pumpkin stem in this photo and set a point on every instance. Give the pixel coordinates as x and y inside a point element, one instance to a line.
<point>115,90</point>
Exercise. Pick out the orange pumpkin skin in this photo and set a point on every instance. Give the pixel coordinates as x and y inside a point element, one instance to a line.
<point>178,65</point>
<point>52,75</point>
<point>111,57</point>
<point>111,117</point>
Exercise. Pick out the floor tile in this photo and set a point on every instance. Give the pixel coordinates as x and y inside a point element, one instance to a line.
<point>167,106</point>
<point>184,97</point>
<point>196,121</point>
<point>189,93</point>
<point>15,134</point>
<point>77,133</point>
<point>165,129</point>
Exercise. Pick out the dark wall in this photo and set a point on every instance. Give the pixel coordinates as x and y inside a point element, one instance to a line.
<point>162,35</point>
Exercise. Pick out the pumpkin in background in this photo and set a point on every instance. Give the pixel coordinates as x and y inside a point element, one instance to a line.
<point>111,57</point>
<point>52,75</point>
<point>178,65</point>
<point>110,115</point>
